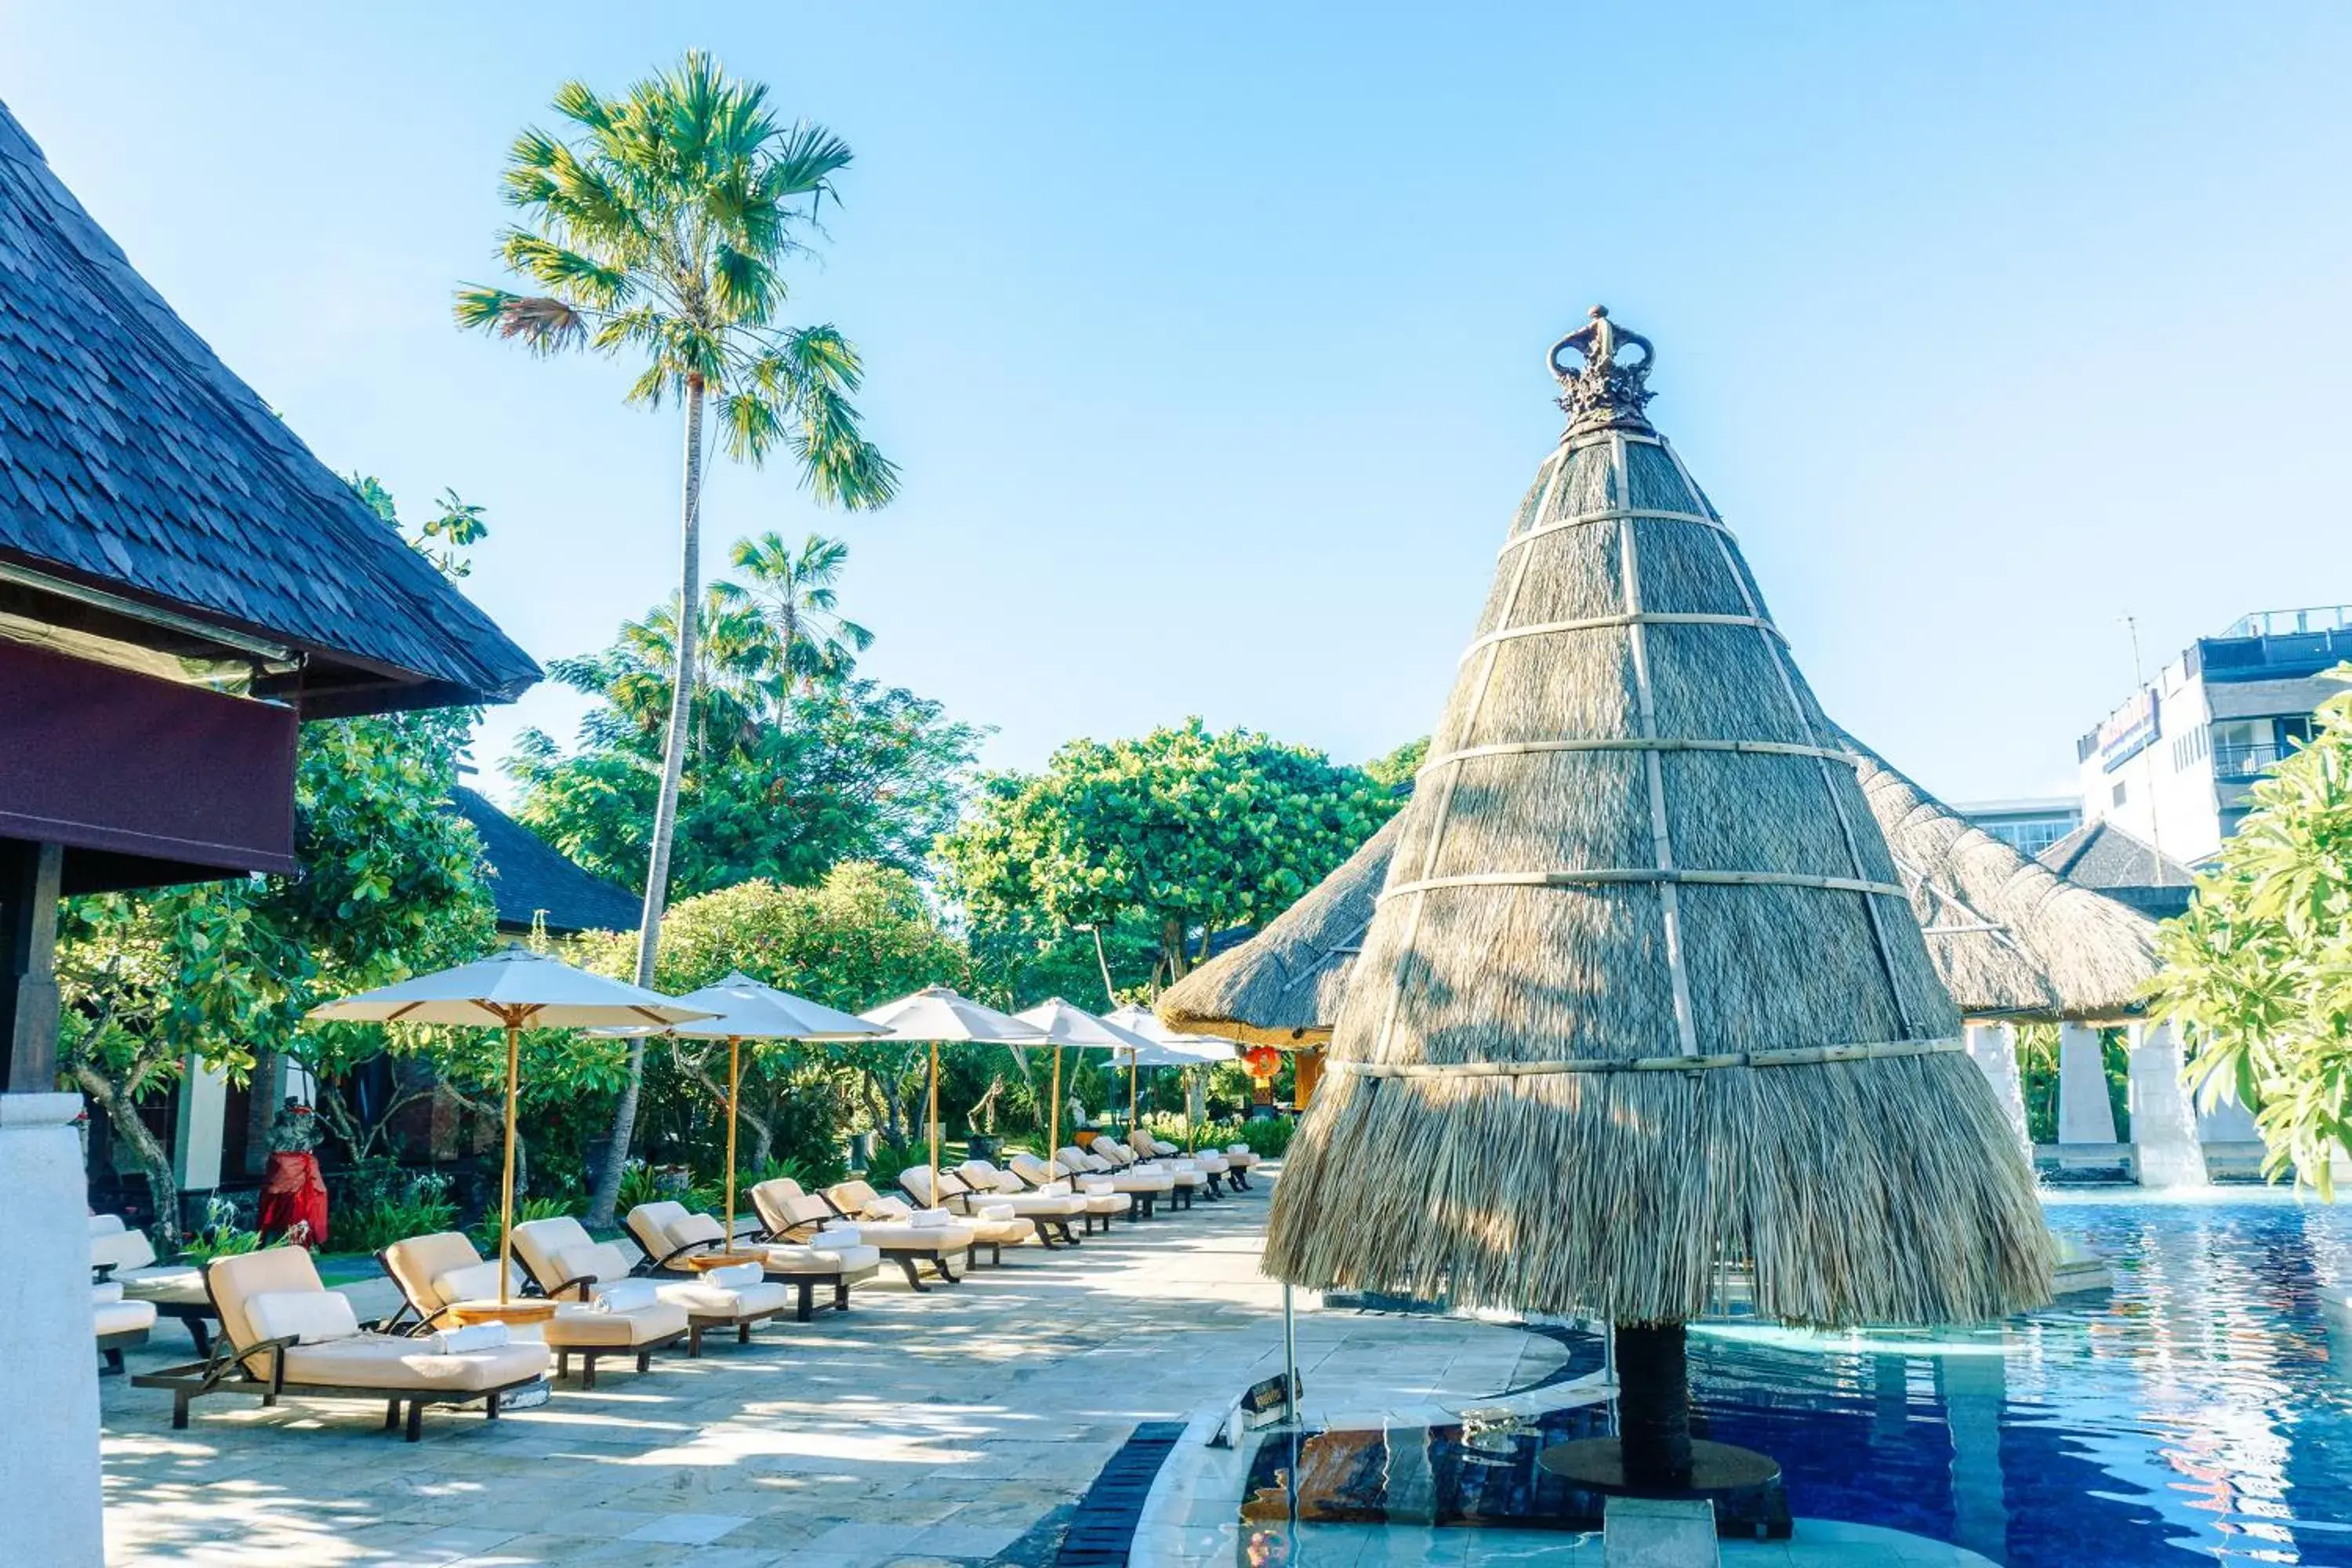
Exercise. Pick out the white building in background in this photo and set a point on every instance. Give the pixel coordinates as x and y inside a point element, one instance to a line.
<point>2172,765</point>
<point>2028,827</point>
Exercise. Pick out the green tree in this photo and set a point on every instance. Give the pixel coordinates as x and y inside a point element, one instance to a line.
<point>659,233</point>
<point>860,937</point>
<point>1398,767</point>
<point>795,591</point>
<point>2258,973</point>
<point>1193,830</point>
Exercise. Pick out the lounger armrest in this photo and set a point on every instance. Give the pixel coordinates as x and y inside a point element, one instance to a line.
<point>583,1284</point>
<point>99,1273</point>
<point>276,1350</point>
<point>650,1265</point>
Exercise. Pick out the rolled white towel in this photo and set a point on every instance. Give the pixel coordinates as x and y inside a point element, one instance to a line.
<point>1055,1190</point>
<point>928,1218</point>
<point>839,1236</point>
<point>1095,1186</point>
<point>626,1296</point>
<point>472,1337</point>
<point>105,1291</point>
<point>734,1276</point>
<point>995,1211</point>
<point>1237,1148</point>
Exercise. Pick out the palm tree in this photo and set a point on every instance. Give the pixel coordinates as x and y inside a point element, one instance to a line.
<point>658,233</point>
<point>815,642</point>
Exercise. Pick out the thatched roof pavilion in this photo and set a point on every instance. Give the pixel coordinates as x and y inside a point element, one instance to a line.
<point>2010,938</point>
<point>1642,995</point>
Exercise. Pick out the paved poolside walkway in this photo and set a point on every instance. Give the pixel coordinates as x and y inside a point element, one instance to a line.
<point>954,1427</point>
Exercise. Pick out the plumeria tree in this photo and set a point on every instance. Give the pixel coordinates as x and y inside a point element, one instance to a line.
<point>655,229</point>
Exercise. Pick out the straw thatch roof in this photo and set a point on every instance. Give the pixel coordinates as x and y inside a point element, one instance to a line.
<point>2009,937</point>
<point>1283,985</point>
<point>1643,997</point>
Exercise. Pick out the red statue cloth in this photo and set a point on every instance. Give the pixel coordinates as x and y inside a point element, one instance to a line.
<point>293,1193</point>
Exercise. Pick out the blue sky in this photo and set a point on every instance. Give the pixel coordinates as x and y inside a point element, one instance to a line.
<point>1209,337</point>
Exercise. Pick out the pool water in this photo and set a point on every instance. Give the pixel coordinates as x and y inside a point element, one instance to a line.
<point>2200,1411</point>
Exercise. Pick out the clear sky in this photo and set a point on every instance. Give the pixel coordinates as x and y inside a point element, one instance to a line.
<point>1209,336</point>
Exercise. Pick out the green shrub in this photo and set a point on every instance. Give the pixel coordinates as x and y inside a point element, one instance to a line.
<point>485,1234</point>
<point>1268,1137</point>
<point>391,1205</point>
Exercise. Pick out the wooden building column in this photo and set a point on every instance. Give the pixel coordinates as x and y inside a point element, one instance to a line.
<point>29,879</point>
<point>1307,1071</point>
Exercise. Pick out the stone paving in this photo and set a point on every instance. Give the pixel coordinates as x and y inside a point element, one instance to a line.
<point>956,1427</point>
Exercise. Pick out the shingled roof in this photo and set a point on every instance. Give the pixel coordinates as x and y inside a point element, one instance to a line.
<point>134,461</point>
<point>2123,867</point>
<point>529,878</point>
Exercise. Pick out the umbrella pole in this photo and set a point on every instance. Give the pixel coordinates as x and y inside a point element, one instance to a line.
<point>734,1090</point>
<point>506,1193</point>
<point>1054,1112</point>
<point>934,1197</point>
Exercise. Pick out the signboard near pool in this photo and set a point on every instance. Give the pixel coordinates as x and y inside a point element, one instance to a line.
<point>2127,731</point>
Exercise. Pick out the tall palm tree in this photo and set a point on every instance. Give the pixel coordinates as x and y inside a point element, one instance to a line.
<point>657,233</point>
<point>815,640</point>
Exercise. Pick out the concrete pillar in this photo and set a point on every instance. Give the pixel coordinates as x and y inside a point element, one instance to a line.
<point>2163,1121</point>
<point>48,1376</point>
<point>2084,1115</point>
<point>203,1112</point>
<point>1993,1048</point>
<point>1975,1388</point>
<point>2222,1118</point>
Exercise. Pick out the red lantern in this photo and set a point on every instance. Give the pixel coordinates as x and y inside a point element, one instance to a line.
<point>1262,1061</point>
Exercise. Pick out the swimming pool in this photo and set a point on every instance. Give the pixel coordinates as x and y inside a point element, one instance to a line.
<point>2201,1410</point>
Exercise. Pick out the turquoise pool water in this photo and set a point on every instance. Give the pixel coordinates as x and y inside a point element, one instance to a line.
<point>2202,1411</point>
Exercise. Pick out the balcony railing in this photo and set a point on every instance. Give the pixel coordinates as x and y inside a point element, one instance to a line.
<point>2243,762</point>
<point>2292,623</point>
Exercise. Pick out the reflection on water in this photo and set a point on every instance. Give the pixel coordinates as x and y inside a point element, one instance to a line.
<point>2203,1408</point>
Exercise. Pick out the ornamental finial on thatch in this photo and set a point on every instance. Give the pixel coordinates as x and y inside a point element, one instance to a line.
<point>1604,393</point>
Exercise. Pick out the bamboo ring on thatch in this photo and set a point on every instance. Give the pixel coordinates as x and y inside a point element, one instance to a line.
<point>1638,618</point>
<point>1623,515</point>
<point>1639,743</point>
<point>1617,874</point>
<point>1797,1056</point>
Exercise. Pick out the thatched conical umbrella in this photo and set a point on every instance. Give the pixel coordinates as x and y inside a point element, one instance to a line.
<point>1642,997</point>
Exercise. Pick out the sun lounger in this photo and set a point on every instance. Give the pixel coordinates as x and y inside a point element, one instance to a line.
<point>1243,1160</point>
<point>1054,1211</point>
<point>1143,1188</point>
<point>440,1275</point>
<point>565,1262</point>
<point>126,1257</point>
<point>120,1324</point>
<point>995,1223</point>
<point>1185,1178</point>
<point>789,1215</point>
<point>670,1233</point>
<point>284,1332</point>
<point>1104,1201</point>
<point>934,1237</point>
<point>1212,1165</point>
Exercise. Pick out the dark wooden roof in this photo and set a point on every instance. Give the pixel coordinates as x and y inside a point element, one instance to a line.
<point>528,877</point>
<point>2123,867</point>
<point>132,461</point>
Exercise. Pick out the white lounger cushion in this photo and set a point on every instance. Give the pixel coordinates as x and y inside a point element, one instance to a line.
<point>599,1260</point>
<point>837,1235</point>
<point>789,1258</point>
<point>388,1361</point>
<point>474,1282</point>
<point>105,1223</point>
<point>124,1317</point>
<point>313,1317</point>
<point>706,1299</point>
<point>108,1291</point>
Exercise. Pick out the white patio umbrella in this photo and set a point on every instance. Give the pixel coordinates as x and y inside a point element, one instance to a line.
<point>1065,1025</point>
<point>1169,1048</point>
<point>740,1008</point>
<point>514,990</point>
<point>936,1014</point>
